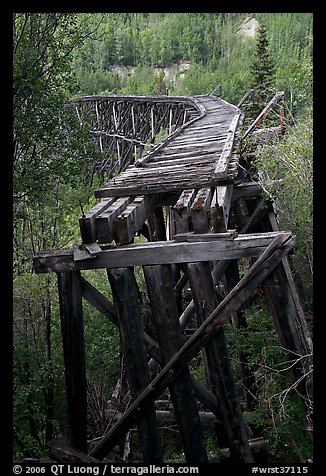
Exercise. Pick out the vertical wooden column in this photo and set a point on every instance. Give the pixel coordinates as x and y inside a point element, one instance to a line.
<point>291,326</point>
<point>71,315</point>
<point>220,371</point>
<point>125,293</point>
<point>159,282</point>
<point>231,279</point>
<point>156,225</point>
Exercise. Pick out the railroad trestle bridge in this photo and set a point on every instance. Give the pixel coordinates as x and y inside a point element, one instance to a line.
<point>191,197</point>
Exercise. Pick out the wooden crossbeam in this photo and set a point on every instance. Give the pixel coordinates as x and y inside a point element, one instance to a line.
<point>105,221</point>
<point>131,219</point>
<point>87,222</point>
<point>233,301</point>
<point>160,252</point>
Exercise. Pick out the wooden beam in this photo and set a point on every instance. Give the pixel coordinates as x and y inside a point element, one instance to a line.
<point>218,366</point>
<point>277,98</point>
<point>222,163</point>
<point>87,222</point>
<point>71,315</point>
<point>130,220</point>
<point>166,252</point>
<point>156,225</point>
<point>104,222</point>
<point>231,279</point>
<point>126,293</point>
<point>233,301</point>
<point>291,326</point>
<point>200,210</point>
<point>159,281</point>
<point>220,208</point>
<point>181,211</point>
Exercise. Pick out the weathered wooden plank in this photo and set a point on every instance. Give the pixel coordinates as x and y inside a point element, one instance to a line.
<point>220,208</point>
<point>191,237</point>
<point>177,184</point>
<point>180,211</point>
<point>200,209</point>
<point>234,300</point>
<point>224,159</point>
<point>104,222</point>
<point>71,316</point>
<point>159,281</point>
<point>218,366</point>
<point>131,219</point>
<point>125,292</point>
<point>158,253</point>
<point>87,222</point>
<point>209,160</point>
<point>205,139</point>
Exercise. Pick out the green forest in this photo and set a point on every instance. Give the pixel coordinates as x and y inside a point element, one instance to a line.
<point>58,57</point>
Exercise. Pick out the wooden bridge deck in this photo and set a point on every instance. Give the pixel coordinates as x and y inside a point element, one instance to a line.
<point>197,154</point>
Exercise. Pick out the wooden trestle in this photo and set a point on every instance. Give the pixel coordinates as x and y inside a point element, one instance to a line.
<point>187,195</point>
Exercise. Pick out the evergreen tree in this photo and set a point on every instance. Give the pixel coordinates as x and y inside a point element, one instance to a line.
<point>262,70</point>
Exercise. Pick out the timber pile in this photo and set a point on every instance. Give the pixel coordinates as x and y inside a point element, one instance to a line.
<point>188,197</point>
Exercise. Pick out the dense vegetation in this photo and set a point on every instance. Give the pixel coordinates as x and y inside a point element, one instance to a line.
<point>58,56</point>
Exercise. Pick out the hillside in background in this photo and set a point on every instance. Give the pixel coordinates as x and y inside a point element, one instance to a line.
<point>190,53</point>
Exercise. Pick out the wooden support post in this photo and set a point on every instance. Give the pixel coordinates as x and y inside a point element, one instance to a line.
<point>181,211</point>
<point>159,282</point>
<point>220,208</point>
<point>126,293</point>
<point>200,210</point>
<point>291,326</point>
<point>265,264</point>
<point>156,225</point>
<point>232,277</point>
<point>219,370</point>
<point>71,315</point>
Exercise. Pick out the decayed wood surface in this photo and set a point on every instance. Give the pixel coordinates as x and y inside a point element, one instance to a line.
<point>70,300</point>
<point>250,245</point>
<point>219,370</point>
<point>197,153</point>
<point>234,300</point>
<point>126,292</point>
<point>159,281</point>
